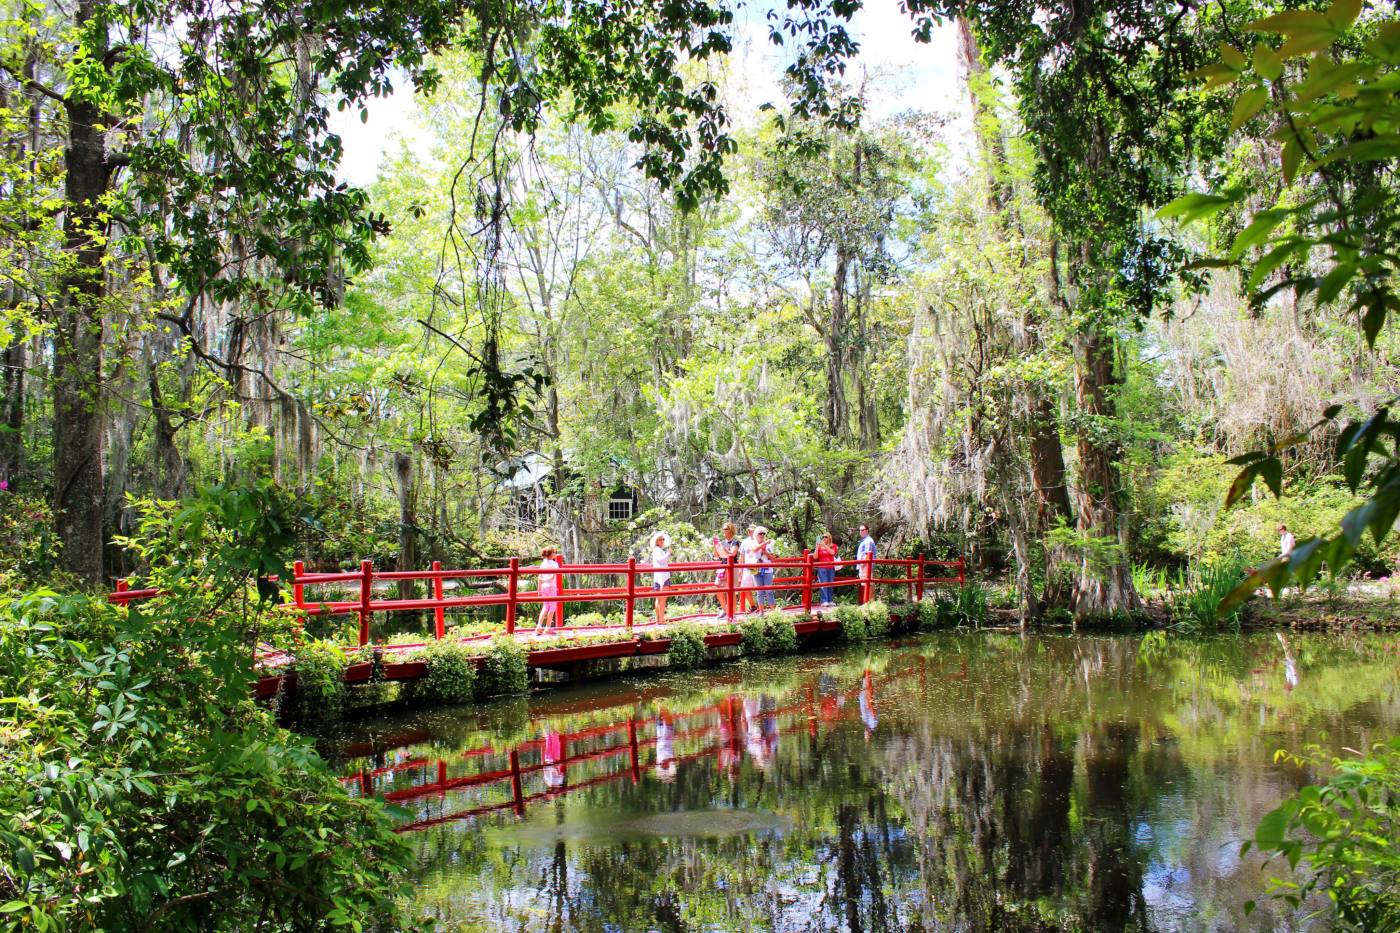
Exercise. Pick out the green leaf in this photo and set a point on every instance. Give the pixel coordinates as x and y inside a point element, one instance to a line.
<point>1191,207</point>
<point>1272,830</point>
<point>1257,232</point>
<point>1273,259</point>
<point>1371,322</point>
<point>1266,62</point>
<point>1342,13</point>
<point>1333,282</point>
<point>1292,23</point>
<point>1247,105</point>
<point>1232,57</point>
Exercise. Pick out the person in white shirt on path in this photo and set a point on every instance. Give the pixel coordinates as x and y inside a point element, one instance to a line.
<point>660,560</point>
<point>1286,541</point>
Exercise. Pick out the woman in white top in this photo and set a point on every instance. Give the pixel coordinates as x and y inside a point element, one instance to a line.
<point>660,560</point>
<point>748,560</point>
<point>548,586</point>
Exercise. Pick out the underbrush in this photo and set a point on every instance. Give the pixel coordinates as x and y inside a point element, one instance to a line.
<point>140,785</point>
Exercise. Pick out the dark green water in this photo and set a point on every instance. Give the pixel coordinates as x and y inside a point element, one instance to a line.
<point>978,782</point>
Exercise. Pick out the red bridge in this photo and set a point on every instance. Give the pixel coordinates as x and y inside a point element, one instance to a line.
<point>514,586</point>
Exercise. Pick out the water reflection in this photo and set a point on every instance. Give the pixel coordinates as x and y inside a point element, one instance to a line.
<point>960,782</point>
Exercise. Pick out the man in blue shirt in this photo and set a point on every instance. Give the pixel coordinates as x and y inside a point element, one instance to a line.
<point>864,550</point>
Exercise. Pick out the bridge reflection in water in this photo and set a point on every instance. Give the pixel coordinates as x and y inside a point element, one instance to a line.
<point>559,762</point>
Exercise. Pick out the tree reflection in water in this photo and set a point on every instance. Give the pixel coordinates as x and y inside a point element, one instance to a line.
<point>959,782</point>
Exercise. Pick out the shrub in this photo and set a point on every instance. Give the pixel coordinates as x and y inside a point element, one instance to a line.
<point>506,670</point>
<point>1195,596</point>
<point>1344,832</point>
<point>320,681</point>
<point>754,632</point>
<point>970,605</point>
<point>782,637</point>
<point>877,619</point>
<point>451,676</point>
<point>687,650</point>
<point>143,788</point>
<point>586,619</point>
<point>930,614</point>
<point>852,621</point>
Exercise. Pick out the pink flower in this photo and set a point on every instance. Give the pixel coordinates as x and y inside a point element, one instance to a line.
<point>4,485</point>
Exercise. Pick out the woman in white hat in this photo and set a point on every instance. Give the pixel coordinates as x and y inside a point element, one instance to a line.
<point>660,577</point>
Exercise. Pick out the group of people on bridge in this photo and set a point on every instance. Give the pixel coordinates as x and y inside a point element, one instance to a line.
<point>753,557</point>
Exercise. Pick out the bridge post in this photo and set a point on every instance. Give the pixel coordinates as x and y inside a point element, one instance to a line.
<point>867,587</point>
<point>512,590</point>
<point>733,562</point>
<point>636,755</point>
<point>439,617</point>
<point>517,796</point>
<point>298,588</point>
<point>366,594</point>
<point>909,575</point>
<point>631,591</point>
<point>919,586</point>
<point>806,581</point>
<point>122,587</point>
<point>962,570</point>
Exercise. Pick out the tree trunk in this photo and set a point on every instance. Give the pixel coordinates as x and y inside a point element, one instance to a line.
<point>1105,583</point>
<point>837,421</point>
<point>408,539</point>
<point>169,465</point>
<point>77,338</point>
<point>12,438</point>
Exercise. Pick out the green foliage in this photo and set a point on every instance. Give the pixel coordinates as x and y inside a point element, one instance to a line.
<point>320,691</point>
<point>781,636</point>
<point>1330,85</point>
<point>506,670</point>
<point>26,542</point>
<point>877,619</point>
<point>754,632</point>
<point>852,621</point>
<point>687,650</point>
<point>1194,599</point>
<point>970,605</point>
<point>451,676</point>
<point>140,785</point>
<point>1344,833</point>
<point>949,608</point>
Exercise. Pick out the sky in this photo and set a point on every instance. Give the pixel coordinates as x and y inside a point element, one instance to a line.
<point>905,75</point>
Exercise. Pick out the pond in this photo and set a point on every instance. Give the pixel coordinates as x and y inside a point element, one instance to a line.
<point>959,782</point>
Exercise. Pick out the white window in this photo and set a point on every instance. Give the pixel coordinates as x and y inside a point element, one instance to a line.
<point>620,509</point>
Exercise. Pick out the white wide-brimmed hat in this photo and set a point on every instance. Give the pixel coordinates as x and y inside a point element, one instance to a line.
<point>665,539</point>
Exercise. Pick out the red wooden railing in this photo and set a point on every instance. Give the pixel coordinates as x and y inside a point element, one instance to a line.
<point>911,574</point>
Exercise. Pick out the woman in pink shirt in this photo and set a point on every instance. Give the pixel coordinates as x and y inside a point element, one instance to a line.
<point>548,586</point>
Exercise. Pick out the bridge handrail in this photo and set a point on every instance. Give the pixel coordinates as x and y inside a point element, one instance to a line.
<point>913,574</point>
